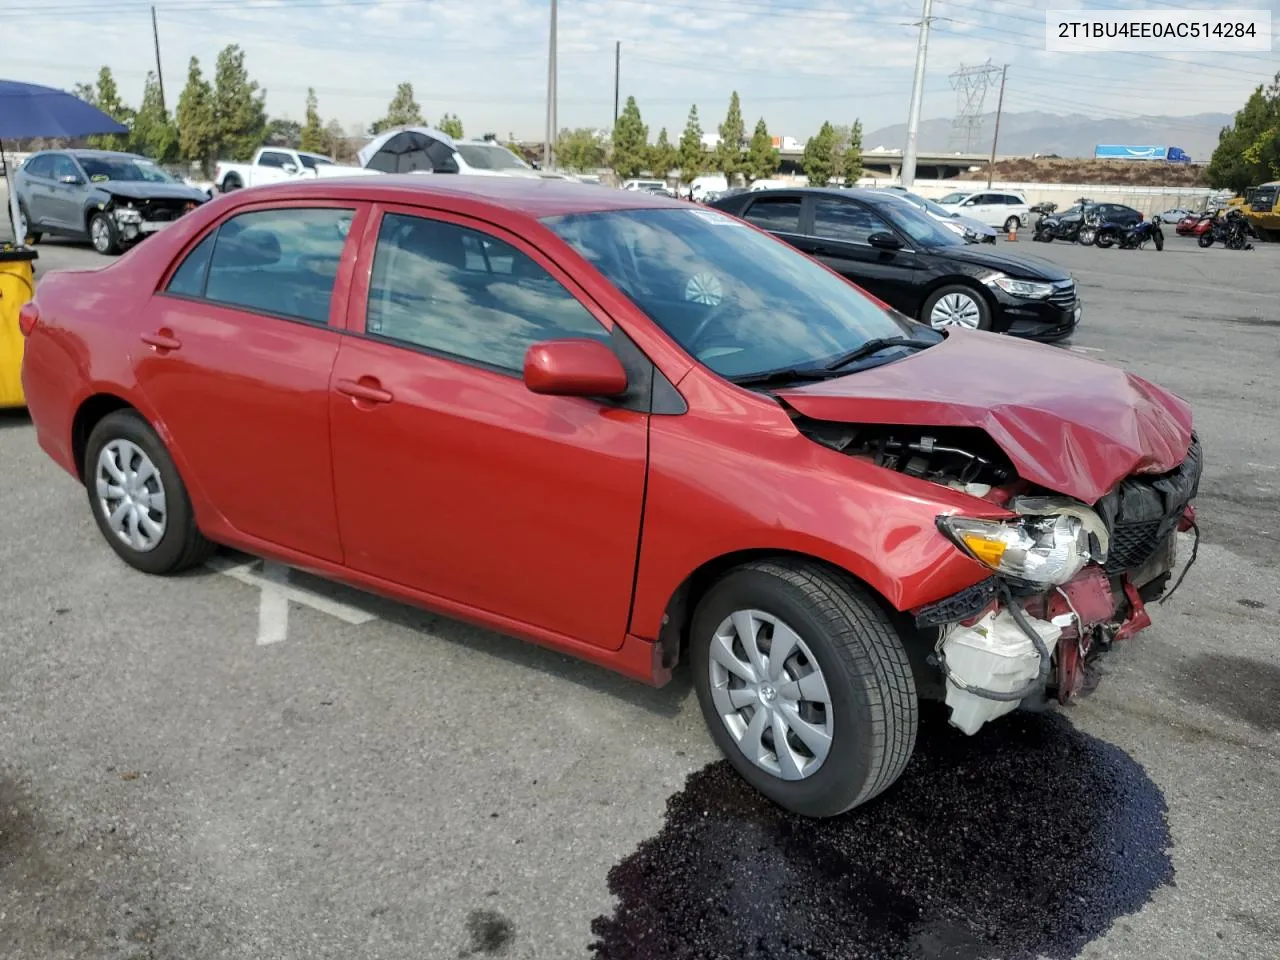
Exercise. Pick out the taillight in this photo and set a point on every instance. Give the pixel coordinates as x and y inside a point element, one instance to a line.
<point>28,317</point>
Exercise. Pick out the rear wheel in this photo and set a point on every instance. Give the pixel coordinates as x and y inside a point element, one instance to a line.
<point>138,500</point>
<point>1205,240</point>
<point>33,236</point>
<point>1105,239</point>
<point>231,182</point>
<point>804,684</point>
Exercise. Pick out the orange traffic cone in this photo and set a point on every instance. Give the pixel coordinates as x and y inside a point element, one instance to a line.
<point>1013,233</point>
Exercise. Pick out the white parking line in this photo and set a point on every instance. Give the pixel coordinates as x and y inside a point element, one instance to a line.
<point>278,593</point>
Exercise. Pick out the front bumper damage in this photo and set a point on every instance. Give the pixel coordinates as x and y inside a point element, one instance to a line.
<point>136,219</point>
<point>1003,643</point>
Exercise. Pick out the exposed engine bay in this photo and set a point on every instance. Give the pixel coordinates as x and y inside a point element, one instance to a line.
<point>1069,579</point>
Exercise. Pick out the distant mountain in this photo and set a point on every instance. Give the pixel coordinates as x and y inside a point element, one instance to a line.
<point>1073,135</point>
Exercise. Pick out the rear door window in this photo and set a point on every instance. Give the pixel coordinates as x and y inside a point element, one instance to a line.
<point>781,214</point>
<point>844,220</point>
<point>279,262</point>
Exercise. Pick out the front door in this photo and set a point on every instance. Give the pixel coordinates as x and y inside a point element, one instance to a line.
<point>452,478</point>
<point>836,232</point>
<point>236,356</point>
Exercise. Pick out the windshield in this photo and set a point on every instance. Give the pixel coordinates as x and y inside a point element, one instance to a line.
<point>738,300</point>
<point>929,205</point>
<point>953,198</point>
<point>919,226</point>
<point>490,157</point>
<point>311,162</point>
<point>100,169</point>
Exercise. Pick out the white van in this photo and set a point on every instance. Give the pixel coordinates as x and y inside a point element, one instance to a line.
<point>709,183</point>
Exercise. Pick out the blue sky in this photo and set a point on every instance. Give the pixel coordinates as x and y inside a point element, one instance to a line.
<point>794,62</point>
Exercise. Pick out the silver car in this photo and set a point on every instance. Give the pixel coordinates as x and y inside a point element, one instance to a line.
<point>111,199</point>
<point>972,230</point>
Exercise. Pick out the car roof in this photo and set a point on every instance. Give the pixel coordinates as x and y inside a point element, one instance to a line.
<point>104,154</point>
<point>532,196</point>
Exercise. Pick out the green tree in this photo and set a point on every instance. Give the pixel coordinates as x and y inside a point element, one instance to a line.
<point>85,92</point>
<point>580,150</point>
<point>451,125</point>
<point>197,128</point>
<point>1247,153</point>
<point>153,133</point>
<point>762,160</point>
<point>692,155</point>
<point>630,142</point>
<point>282,132</point>
<point>733,133</point>
<point>851,155</point>
<point>106,97</point>
<point>239,110</point>
<point>819,159</point>
<point>663,156</point>
<point>336,144</point>
<point>402,111</point>
<point>311,137</point>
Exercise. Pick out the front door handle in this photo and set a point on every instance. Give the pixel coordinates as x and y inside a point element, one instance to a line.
<point>162,340</point>
<point>366,388</point>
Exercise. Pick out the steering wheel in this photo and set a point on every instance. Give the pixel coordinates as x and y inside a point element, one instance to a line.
<point>713,313</point>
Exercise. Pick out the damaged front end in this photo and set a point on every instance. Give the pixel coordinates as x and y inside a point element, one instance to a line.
<point>1068,579</point>
<point>137,218</point>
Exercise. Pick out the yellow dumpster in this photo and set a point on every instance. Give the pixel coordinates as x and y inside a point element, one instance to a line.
<point>17,286</point>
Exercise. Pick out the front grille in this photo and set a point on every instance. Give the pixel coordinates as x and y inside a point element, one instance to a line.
<point>1064,294</point>
<point>1144,511</point>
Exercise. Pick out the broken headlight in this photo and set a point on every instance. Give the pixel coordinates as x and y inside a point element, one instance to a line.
<point>1048,550</point>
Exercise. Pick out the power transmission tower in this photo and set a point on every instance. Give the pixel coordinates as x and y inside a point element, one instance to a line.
<point>971,85</point>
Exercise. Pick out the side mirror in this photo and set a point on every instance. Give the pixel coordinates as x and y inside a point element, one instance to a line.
<point>289,167</point>
<point>70,180</point>
<point>574,368</point>
<point>884,241</point>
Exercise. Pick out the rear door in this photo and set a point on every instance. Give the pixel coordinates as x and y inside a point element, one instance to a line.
<point>236,355</point>
<point>37,192</point>
<point>452,478</point>
<point>65,206</point>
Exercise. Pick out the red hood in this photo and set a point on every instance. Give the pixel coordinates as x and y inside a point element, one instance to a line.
<point>1073,425</point>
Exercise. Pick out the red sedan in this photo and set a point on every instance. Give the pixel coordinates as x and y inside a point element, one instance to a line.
<point>632,430</point>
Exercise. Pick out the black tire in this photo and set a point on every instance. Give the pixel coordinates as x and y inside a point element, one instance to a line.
<point>1157,237</point>
<point>1105,239</point>
<point>1087,236</point>
<point>103,234</point>
<point>1013,223</point>
<point>868,677</point>
<point>1205,239</point>
<point>984,308</point>
<point>181,545</point>
<point>231,182</point>
<point>33,236</point>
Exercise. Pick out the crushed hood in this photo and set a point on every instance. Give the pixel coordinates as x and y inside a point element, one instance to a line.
<point>140,190</point>
<point>1070,424</point>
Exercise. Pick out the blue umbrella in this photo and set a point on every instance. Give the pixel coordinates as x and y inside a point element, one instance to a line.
<point>28,110</point>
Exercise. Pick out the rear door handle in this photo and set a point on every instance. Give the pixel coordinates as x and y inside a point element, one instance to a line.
<point>366,388</point>
<point>162,340</point>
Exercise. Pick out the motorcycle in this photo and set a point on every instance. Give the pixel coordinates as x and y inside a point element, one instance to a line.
<point>1135,237</point>
<point>1087,232</point>
<point>1042,210</point>
<point>1233,231</point>
<point>1062,226</point>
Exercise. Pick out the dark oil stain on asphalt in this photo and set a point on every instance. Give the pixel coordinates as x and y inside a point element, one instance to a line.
<point>491,933</point>
<point>1026,840</point>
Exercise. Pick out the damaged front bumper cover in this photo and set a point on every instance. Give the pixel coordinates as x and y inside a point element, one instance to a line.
<point>1014,643</point>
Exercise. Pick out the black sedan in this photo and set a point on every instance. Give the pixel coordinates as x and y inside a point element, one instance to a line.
<point>915,264</point>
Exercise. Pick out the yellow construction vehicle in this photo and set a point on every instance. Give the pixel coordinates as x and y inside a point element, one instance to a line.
<point>1262,207</point>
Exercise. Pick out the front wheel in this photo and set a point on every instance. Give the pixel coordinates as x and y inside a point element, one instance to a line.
<point>1086,236</point>
<point>1158,239</point>
<point>956,306</point>
<point>1205,240</point>
<point>103,234</point>
<point>1105,239</point>
<point>138,500</point>
<point>804,684</point>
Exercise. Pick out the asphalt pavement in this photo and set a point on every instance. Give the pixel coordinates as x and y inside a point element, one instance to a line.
<point>373,781</point>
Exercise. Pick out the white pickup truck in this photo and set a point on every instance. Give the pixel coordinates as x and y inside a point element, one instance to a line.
<point>274,164</point>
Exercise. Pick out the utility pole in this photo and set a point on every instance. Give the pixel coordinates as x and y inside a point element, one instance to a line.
<point>617,74</point>
<point>549,148</point>
<point>155,33</point>
<point>996,137</point>
<point>917,95</point>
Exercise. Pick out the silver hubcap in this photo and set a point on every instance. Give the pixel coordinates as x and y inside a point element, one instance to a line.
<point>955,310</point>
<point>768,689</point>
<point>101,236</point>
<point>131,495</point>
